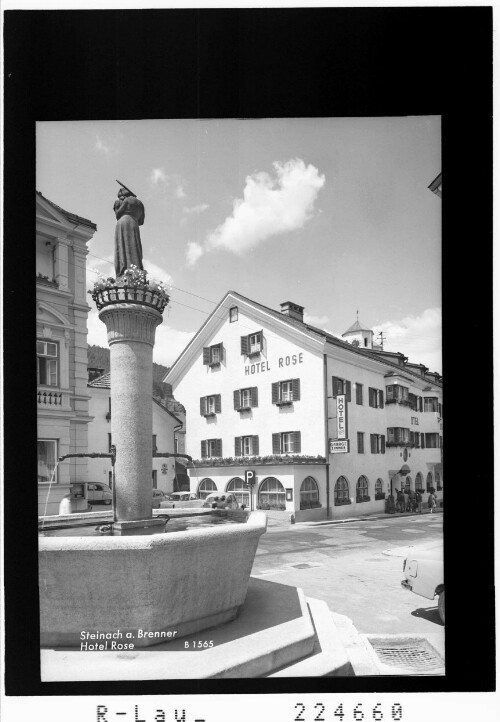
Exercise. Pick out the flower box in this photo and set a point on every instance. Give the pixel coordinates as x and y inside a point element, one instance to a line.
<point>284,403</point>
<point>380,496</point>
<point>342,502</point>
<point>361,499</point>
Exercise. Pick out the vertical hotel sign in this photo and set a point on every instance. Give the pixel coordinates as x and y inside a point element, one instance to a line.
<point>341,417</point>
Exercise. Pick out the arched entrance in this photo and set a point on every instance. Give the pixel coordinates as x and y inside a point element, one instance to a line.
<point>240,490</point>
<point>272,494</point>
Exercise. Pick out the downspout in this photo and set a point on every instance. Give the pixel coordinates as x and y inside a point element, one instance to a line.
<point>327,446</point>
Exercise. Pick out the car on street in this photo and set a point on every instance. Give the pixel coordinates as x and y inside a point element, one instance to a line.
<point>181,500</point>
<point>221,501</point>
<point>424,575</point>
<point>157,497</point>
<point>98,493</point>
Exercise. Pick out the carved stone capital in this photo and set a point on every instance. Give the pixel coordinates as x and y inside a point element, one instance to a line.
<point>130,322</point>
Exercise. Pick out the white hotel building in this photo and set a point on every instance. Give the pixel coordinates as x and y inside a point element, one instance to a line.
<point>261,390</point>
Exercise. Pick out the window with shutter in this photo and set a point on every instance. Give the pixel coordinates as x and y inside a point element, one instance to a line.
<point>203,405</point>
<point>286,392</point>
<point>217,404</point>
<point>255,396</point>
<point>373,443</point>
<point>218,447</point>
<point>381,399</point>
<point>206,355</point>
<point>204,452</point>
<point>275,392</point>
<point>296,442</point>
<point>237,400</point>
<point>244,345</point>
<point>255,445</point>
<point>276,443</point>
<point>337,386</point>
<point>296,389</point>
<point>237,445</point>
<point>382,444</point>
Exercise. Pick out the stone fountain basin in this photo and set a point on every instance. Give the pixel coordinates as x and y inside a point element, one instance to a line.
<point>143,586</point>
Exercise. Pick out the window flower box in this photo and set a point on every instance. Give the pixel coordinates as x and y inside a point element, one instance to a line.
<point>210,414</point>
<point>284,403</point>
<point>380,496</point>
<point>342,502</point>
<point>361,499</point>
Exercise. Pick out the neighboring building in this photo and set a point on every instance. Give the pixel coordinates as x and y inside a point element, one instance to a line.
<point>165,425</point>
<point>61,327</point>
<point>437,186</point>
<point>261,391</point>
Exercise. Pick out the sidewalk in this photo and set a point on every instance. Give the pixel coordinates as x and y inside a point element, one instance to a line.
<point>274,524</point>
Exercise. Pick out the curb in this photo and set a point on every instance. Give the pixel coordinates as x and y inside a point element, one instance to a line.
<point>349,520</point>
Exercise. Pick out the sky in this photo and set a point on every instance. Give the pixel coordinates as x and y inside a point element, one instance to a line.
<point>333,214</point>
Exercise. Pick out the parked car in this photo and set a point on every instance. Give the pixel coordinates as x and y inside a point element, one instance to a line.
<point>221,501</point>
<point>180,500</point>
<point>424,575</point>
<point>157,498</point>
<point>98,493</point>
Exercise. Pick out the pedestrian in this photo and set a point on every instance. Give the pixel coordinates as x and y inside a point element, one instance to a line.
<point>418,501</point>
<point>406,499</point>
<point>401,501</point>
<point>431,501</point>
<point>390,504</point>
<point>412,500</point>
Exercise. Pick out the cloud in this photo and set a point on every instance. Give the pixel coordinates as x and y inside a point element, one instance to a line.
<point>196,209</point>
<point>194,251</point>
<point>316,320</point>
<point>109,147</point>
<point>170,343</point>
<point>158,175</point>
<point>418,337</point>
<point>270,206</point>
<point>173,184</point>
<point>179,192</point>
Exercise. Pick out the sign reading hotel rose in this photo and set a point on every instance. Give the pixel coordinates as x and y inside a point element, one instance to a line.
<point>283,361</point>
<point>341,417</point>
<point>339,446</point>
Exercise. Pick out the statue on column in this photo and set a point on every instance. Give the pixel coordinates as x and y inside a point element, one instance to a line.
<point>129,213</point>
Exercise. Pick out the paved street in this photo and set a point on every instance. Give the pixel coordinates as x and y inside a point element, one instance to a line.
<point>356,568</point>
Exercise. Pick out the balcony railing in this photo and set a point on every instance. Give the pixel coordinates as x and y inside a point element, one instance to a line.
<point>49,398</point>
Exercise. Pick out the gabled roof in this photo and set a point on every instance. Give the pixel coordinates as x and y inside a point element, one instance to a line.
<point>299,325</point>
<point>104,382</point>
<point>69,216</point>
<point>356,326</point>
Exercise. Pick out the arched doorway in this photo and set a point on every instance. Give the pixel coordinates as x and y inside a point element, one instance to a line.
<point>341,492</point>
<point>272,494</point>
<point>419,482</point>
<point>240,490</point>
<point>429,482</point>
<point>362,490</point>
<point>309,494</point>
<point>206,487</point>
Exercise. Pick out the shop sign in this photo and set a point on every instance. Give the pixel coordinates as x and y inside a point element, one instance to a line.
<point>341,417</point>
<point>339,446</point>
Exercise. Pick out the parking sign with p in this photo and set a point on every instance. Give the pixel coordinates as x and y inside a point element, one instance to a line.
<point>249,477</point>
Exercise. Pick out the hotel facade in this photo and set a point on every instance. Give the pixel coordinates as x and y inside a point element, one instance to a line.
<point>296,421</point>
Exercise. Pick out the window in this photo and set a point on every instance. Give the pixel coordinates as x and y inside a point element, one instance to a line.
<point>246,398</point>
<point>431,403</point>
<point>398,436</point>
<point>47,354</point>
<point>309,494</point>
<point>240,490</point>
<point>396,394</point>
<point>341,386</point>
<point>359,394</point>
<point>212,355</point>
<point>428,482</point>
<point>206,487</point>
<point>341,491</point>
<point>285,392</point>
<point>377,443</point>
<point>272,494</point>
<point>154,475</point>
<point>362,490</point>
<point>407,486</point>
<point>419,482</point>
<point>252,344</point>
<point>286,443</point>
<point>361,442</point>
<point>155,448</point>
<point>210,405</point>
<point>246,446</point>
<point>47,456</point>
<point>375,398</point>
<point>211,448</point>
<point>233,314</point>
<point>432,441</point>
<point>415,402</point>
<point>109,443</point>
<point>379,485</point>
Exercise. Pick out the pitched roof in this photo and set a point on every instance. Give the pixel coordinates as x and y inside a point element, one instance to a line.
<point>356,326</point>
<point>70,216</point>
<point>104,382</point>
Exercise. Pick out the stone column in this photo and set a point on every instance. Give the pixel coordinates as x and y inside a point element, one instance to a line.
<point>131,336</point>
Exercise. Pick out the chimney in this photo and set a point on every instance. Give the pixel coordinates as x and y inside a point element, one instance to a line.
<point>292,310</point>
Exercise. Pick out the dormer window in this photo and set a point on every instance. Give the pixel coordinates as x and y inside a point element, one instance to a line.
<point>252,344</point>
<point>233,314</point>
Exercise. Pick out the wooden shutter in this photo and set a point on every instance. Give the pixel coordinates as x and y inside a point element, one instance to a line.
<point>221,352</point>
<point>275,393</point>
<point>347,390</point>
<point>237,399</point>
<point>276,443</point>
<point>255,445</point>
<point>217,404</point>
<point>237,445</point>
<point>373,444</point>
<point>382,444</point>
<point>244,344</point>
<point>255,396</point>
<point>206,355</point>
<point>203,405</point>
<point>218,447</point>
<point>359,394</point>
<point>335,386</point>
<point>420,403</point>
<point>203,449</point>
<point>262,340</point>
<point>381,399</point>
<point>296,442</point>
<point>412,437</point>
<point>296,389</point>
<point>422,441</point>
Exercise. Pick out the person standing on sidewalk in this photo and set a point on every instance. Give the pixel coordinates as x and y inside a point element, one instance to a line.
<point>431,501</point>
<point>418,502</point>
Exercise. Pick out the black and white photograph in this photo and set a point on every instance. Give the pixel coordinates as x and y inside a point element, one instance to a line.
<point>246,313</point>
